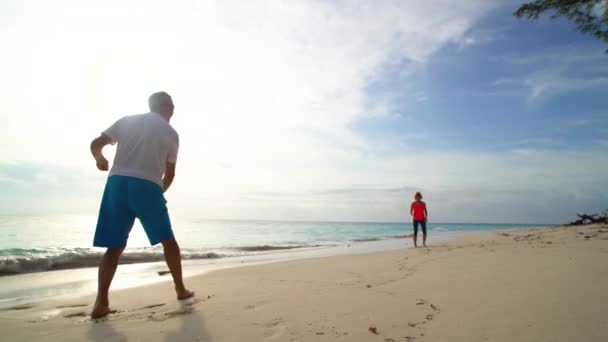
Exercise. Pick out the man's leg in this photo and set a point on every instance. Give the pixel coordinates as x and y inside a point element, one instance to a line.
<point>150,206</point>
<point>113,226</point>
<point>174,262</point>
<point>107,268</point>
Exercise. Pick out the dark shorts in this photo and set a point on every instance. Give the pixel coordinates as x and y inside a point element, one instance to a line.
<point>124,199</point>
<point>421,223</point>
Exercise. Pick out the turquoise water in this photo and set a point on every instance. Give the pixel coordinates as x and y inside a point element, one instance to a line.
<point>41,243</point>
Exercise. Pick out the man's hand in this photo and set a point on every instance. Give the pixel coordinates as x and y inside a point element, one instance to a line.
<point>102,163</point>
<point>96,146</point>
<point>168,176</point>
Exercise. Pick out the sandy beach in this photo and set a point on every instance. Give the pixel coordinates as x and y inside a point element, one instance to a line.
<point>545,284</point>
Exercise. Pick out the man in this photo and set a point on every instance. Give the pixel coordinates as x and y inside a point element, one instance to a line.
<point>143,169</point>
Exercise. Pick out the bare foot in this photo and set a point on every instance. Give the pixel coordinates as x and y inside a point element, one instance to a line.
<point>184,294</point>
<point>100,310</point>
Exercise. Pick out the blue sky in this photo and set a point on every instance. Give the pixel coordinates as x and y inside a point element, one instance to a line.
<point>481,97</point>
<point>311,110</point>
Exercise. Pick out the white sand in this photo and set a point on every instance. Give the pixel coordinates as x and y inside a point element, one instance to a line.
<point>547,284</point>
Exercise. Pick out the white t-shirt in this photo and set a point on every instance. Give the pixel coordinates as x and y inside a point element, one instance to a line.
<point>145,143</point>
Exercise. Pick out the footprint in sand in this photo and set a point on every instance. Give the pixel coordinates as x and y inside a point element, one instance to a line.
<point>184,311</point>
<point>169,314</point>
<point>420,302</point>
<point>84,316</point>
<point>76,314</point>
<point>71,306</point>
<point>46,315</point>
<point>273,322</point>
<point>429,317</point>
<point>190,301</point>
<point>186,307</point>
<point>183,303</point>
<point>19,307</point>
<point>81,314</point>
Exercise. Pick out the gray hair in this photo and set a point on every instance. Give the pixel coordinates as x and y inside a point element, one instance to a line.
<point>158,99</point>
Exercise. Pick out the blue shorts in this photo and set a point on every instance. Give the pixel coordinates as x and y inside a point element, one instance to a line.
<point>124,199</point>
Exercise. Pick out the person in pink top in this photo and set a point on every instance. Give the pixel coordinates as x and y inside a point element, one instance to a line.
<point>419,216</point>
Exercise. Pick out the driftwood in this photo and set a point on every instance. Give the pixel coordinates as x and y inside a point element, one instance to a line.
<point>589,219</point>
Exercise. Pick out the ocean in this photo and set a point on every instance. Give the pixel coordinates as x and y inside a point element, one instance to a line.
<point>50,257</point>
<point>47,243</point>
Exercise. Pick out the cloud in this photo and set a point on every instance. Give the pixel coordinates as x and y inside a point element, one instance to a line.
<point>554,85</point>
<point>269,89</point>
<point>421,97</point>
<point>33,188</point>
<point>554,71</point>
<point>266,95</point>
<point>236,70</point>
<point>480,36</point>
<point>526,184</point>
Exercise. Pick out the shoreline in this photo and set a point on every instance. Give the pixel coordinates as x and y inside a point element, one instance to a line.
<point>498,286</point>
<point>21,256</point>
<point>70,283</point>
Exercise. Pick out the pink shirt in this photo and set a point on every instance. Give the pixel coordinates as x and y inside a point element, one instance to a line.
<point>418,210</point>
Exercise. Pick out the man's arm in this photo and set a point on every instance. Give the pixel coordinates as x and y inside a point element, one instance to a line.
<point>168,176</point>
<point>97,146</point>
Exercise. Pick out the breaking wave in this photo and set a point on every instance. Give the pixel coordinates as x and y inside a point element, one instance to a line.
<point>22,260</point>
<point>380,238</point>
<point>264,248</point>
<point>16,260</point>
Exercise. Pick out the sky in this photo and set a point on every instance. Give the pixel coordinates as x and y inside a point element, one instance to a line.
<point>310,110</point>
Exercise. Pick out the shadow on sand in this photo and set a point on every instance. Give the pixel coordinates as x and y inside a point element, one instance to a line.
<point>102,330</point>
<point>192,328</point>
